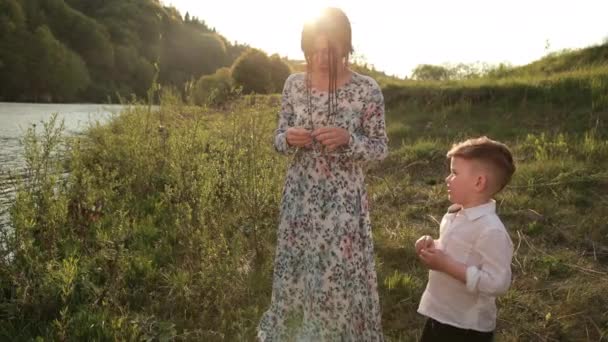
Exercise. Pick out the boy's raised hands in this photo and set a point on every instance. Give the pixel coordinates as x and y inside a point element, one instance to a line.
<point>424,242</point>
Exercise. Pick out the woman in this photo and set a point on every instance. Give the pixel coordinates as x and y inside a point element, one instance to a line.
<point>332,119</point>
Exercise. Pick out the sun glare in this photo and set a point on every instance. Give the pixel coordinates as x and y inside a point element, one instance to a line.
<point>310,11</point>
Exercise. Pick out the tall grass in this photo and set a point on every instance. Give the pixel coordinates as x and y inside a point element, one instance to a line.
<point>161,224</point>
<point>158,231</point>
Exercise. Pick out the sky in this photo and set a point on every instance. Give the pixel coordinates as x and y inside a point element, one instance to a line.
<point>397,35</point>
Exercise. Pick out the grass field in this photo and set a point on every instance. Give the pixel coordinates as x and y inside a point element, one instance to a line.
<point>164,227</point>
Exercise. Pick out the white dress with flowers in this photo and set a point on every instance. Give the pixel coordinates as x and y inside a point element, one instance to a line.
<point>325,286</point>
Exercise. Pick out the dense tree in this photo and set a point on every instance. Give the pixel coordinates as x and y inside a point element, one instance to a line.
<point>188,53</point>
<point>11,17</point>
<point>255,72</point>
<point>111,45</point>
<point>427,72</point>
<point>81,33</point>
<point>214,90</point>
<point>13,40</point>
<point>279,71</point>
<point>252,72</point>
<point>57,72</point>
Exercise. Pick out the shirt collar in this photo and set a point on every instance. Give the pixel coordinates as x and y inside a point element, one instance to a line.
<point>474,213</point>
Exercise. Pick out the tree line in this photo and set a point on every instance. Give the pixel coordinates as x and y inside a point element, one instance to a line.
<point>100,50</point>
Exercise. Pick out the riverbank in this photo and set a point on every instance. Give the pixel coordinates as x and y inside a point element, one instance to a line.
<point>165,225</point>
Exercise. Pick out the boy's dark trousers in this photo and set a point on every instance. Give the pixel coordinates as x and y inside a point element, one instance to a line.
<point>438,332</point>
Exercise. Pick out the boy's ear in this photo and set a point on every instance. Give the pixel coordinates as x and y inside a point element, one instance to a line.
<point>482,182</point>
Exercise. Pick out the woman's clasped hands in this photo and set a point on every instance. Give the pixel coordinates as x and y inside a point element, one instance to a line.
<point>330,137</point>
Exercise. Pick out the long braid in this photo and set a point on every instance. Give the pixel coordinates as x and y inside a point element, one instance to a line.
<point>332,87</point>
<point>330,83</point>
<point>308,91</point>
<point>332,100</point>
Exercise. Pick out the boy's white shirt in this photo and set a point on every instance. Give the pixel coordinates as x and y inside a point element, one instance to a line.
<point>477,238</point>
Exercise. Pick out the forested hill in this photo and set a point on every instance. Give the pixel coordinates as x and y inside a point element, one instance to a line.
<point>89,50</point>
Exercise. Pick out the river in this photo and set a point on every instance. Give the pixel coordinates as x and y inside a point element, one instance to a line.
<point>15,118</point>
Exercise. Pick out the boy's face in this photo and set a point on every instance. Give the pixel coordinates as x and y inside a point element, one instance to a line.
<point>463,182</point>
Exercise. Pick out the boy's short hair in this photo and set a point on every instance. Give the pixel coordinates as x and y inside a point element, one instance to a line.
<point>491,153</point>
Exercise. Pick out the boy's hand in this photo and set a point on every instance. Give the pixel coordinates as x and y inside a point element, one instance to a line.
<point>434,258</point>
<point>437,260</point>
<point>424,242</point>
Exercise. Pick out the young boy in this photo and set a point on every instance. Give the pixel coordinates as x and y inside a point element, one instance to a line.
<point>470,263</point>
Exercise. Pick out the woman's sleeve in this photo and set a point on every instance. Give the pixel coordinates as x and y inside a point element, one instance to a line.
<point>370,141</point>
<point>286,120</point>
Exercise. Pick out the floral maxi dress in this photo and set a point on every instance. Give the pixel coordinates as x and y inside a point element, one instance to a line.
<point>324,285</point>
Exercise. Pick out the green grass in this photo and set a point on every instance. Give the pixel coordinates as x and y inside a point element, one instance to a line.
<point>553,210</point>
<point>164,229</point>
<point>567,60</point>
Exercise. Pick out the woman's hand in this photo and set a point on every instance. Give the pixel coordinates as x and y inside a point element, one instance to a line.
<point>298,137</point>
<point>331,137</point>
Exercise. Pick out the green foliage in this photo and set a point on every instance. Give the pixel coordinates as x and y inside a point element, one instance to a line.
<point>161,224</point>
<point>13,41</point>
<point>81,33</point>
<point>427,72</point>
<point>117,42</point>
<point>133,70</point>
<point>250,71</point>
<point>214,90</point>
<point>60,73</point>
<point>11,17</point>
<point>579,96</point>
<point>279,71</point>
<point>460,71</point>
<point>255,72</point>
<point>188,53</point>
<point>565,61</point>
<point>162,228</point>
<point>553,209</point>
